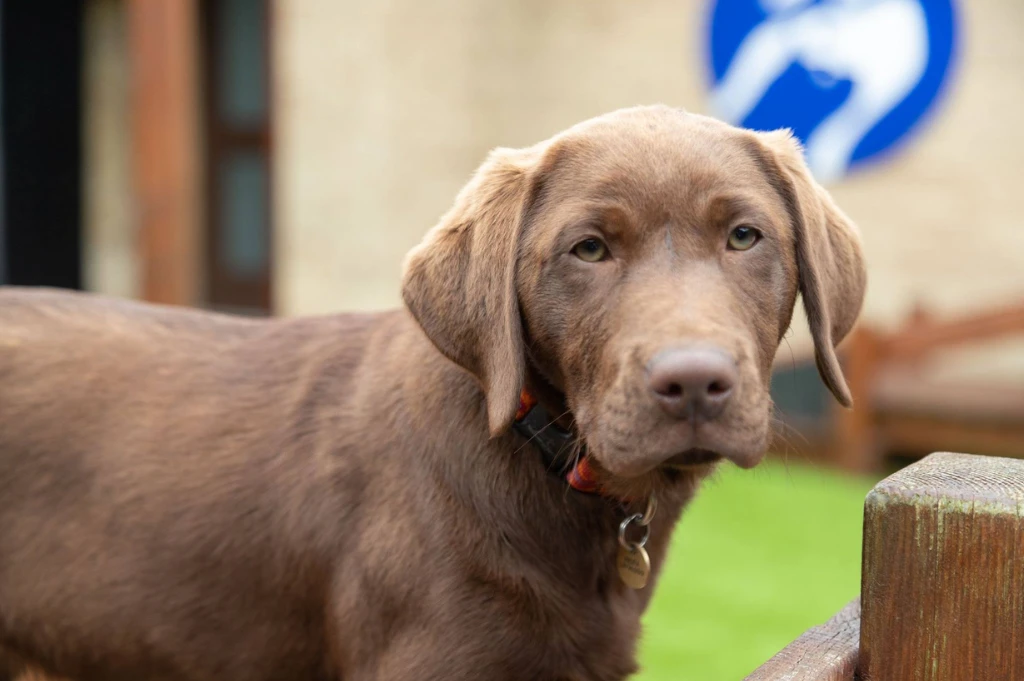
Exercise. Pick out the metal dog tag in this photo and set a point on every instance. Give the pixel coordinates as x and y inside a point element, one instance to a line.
<point>633,562</point>
<point>634,566</point>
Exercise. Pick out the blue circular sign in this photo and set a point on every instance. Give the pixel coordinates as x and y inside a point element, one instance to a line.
<point>851,78</point>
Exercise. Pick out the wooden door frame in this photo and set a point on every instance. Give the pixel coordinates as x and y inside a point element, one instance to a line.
<point>167,168</point>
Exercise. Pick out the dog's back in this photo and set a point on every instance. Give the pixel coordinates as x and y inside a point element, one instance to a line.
<point>131,438</point>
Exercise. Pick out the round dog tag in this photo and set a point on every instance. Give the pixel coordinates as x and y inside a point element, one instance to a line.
<point>634,566</point>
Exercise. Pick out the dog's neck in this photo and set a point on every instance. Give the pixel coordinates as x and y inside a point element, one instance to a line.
<point>518,524</point>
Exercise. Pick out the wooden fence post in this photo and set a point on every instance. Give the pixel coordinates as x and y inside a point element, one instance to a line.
<point>855,448</point>
<point>942,587</point>
<point>942,590</point>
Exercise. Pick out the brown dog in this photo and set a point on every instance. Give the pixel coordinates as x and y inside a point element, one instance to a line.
<point>185,495</point>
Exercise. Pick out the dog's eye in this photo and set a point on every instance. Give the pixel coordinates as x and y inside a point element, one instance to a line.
<point>742,238</point>
<point>590,250</point>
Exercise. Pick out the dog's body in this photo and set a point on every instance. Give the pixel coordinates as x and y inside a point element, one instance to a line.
<point>187,495</point>
<point>190,496</point>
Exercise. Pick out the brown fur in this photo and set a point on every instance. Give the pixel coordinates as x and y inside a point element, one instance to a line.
<point>185,495</point>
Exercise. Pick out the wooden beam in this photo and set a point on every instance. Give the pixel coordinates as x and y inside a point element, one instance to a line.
<point>855,446</point>
<point>916,434</point>
<point>165,154</point>
<point>943,573</point>
<point>827,652</point>
<point>926,335</point>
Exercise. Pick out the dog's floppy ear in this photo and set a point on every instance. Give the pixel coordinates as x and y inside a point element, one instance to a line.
<point>459,283</point>
<point>829,257</point>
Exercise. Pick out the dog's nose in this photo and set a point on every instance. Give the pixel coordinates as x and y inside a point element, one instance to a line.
<point>692,383</point>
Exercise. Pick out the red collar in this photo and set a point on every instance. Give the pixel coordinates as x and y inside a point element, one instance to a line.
<point>556,445</point>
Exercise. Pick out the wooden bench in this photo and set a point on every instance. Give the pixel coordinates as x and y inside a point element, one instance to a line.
<point>942,587</point>
<point>901,408</point>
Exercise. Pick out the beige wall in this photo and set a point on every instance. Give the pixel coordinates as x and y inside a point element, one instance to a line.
<point>384,109</point>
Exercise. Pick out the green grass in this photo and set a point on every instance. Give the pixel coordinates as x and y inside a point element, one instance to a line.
<point>759,557</point>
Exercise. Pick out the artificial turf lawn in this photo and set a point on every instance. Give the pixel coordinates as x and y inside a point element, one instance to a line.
<point>759,557</point>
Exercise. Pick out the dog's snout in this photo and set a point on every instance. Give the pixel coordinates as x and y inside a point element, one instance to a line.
<point>692,383</point>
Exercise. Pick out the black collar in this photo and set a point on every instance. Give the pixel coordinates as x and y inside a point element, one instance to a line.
<point>557,446</point>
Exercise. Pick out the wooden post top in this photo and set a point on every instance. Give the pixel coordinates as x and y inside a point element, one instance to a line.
<point>990,484</point>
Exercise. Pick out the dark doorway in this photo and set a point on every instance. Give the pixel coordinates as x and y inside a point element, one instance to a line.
<point>40,142</point>
<point>236,39</point>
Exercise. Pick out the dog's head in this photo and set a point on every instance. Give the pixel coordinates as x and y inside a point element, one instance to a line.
<point>646,264</point>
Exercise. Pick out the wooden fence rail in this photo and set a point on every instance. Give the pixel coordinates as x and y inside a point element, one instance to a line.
<point>942,586</point>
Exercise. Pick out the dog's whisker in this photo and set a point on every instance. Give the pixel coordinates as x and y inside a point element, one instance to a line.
<point>783,430</point>
<point>577,454</point>
<point>546,426</point>
<point>778,420</point>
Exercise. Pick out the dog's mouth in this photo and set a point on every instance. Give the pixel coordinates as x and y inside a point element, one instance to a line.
<point>692,458</point>
<point>674,476</point>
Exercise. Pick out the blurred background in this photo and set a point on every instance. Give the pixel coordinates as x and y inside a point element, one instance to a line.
<point>266,157</point>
